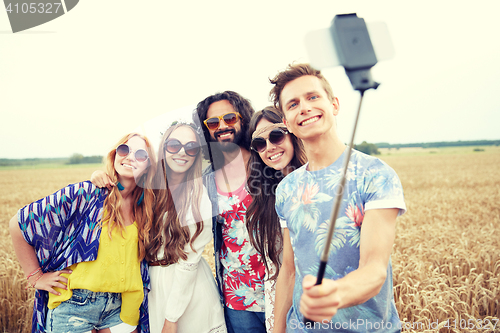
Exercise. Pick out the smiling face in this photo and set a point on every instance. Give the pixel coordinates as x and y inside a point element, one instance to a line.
<point>128,166</point>
<point>309,112</point>
<point>230,137</point>
<point>277,156</point>
<point>180,162</point>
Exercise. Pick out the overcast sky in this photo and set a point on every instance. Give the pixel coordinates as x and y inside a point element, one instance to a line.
<point>78,83</point>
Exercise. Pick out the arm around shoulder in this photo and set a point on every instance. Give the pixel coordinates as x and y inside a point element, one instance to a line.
<point>101,179</point>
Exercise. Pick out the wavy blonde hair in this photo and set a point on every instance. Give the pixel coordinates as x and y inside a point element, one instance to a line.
<point>143,213</point>
<point>169,230</point>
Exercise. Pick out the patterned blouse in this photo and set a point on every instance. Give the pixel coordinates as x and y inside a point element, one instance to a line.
<point>63,229</point>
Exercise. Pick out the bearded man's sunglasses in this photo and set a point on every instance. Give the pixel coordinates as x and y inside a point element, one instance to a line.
<point>229,118</point>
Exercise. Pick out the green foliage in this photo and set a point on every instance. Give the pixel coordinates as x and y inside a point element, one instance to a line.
<point>7,162</point>
<point>80,159</point>
<point>76,159</point>
<point>35,162</point>
<point>367,148</point>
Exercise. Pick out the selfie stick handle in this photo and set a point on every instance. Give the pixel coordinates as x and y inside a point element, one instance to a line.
<point>340,192</point>
<point>336,206</point>
<point>357,55</point>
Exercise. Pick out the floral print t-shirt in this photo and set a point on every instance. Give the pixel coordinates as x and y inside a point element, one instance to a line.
<point>243,272</point>
<point>304,201</point>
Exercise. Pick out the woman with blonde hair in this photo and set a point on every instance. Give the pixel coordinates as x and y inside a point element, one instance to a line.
<point>82,248</point>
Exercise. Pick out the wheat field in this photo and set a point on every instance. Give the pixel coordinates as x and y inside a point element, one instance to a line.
<point>446,257</point>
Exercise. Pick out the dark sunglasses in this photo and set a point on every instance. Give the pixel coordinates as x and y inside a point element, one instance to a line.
<point>140,154</point>
<point>230,119</point>
<point>173,146</point>
<point>276,137</point>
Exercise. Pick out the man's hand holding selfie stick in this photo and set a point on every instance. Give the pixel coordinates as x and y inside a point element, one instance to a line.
<point>321,299</point>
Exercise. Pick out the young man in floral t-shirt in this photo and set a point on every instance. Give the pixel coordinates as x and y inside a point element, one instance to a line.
<point>239,268</point>
<point>356,294</point>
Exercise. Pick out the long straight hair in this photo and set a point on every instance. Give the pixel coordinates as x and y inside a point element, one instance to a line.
<point>263,224</point>
<point>143,213</point>
<point>169,230</point>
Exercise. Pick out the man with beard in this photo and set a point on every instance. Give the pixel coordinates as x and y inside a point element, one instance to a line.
<point>224,118</point>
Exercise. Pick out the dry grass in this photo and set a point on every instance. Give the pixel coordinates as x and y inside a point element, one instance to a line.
<point>446,260</point>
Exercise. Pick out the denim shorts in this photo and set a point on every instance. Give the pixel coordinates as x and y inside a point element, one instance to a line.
<point>240,321</point>
<point>84,311</point>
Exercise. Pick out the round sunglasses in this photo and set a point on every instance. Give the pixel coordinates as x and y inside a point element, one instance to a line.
<point>229,118</point>
<point>140,154</point>
<point>173,146</point>
<point>276,137</point>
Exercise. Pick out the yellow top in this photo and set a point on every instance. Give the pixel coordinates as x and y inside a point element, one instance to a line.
<point>117,270</point>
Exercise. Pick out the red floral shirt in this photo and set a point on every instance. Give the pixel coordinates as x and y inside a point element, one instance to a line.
<point>244,271</point>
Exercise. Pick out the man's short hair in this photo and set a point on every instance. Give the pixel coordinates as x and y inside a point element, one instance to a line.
<point>240,105</point>
<point>292,72</point>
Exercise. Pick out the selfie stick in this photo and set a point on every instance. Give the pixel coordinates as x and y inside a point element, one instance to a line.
<point>356,54</point>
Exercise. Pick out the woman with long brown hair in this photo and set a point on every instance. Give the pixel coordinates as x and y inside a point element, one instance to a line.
<point>184,297</point>
<point>82,248</point>
<point>275,152</point>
